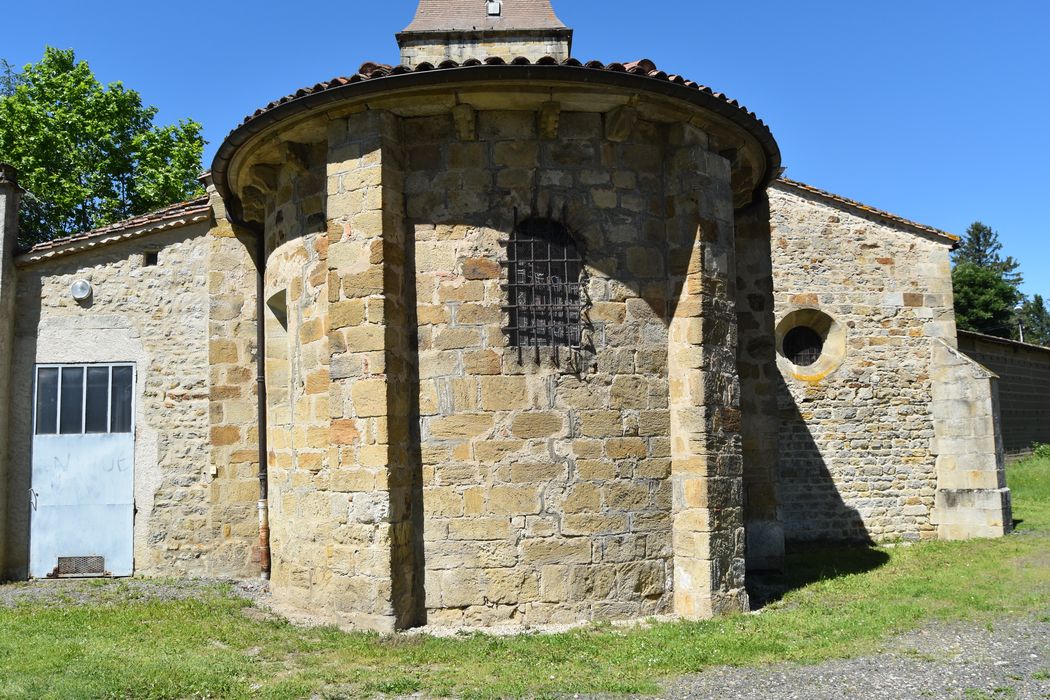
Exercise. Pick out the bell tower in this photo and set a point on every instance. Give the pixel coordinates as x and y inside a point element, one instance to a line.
<point>462,29</point>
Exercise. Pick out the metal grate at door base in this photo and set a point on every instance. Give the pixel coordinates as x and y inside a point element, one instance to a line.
<point>80,567</point>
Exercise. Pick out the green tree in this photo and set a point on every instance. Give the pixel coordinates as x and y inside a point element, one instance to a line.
<point>89,154</point>
<point>984,301</point>
<point>1035,318</point>
<point>981,247</point>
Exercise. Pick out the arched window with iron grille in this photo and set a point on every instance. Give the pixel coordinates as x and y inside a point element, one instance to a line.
<point>545,299</point>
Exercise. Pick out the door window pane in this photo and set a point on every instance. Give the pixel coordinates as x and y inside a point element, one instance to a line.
<point>47,401</point>
<point>71,420</point>
<point>120,411</point>
<point>96,418</point>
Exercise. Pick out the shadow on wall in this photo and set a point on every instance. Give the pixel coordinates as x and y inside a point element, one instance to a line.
<point>19,478</point>
<point>826,538</point>
<point>811,507</point>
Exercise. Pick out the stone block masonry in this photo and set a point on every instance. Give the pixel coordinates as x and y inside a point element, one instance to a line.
<point>194,489</point>
<point>424,470</point>
<point>10,196</point>
<point>732,367</point>
<point>972,498</point>
<point>232,382</point>
<point>548,492</point>
<point>756,360</point>
<point>340,384</point>
<point>855,444</point>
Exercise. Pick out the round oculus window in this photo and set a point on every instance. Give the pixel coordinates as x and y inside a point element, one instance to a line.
<point>803,346</point>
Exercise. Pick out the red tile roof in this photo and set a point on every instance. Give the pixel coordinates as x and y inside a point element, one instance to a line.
<point>373,71</point>
<point>374,77</point>
<point>865,209</point>
<point>456,16</point>
<point>181,214</point>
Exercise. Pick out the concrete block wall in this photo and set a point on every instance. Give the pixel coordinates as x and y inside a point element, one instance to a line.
<point>1024,387</point>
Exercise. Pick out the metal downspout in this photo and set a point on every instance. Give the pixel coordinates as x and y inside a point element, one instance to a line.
<point>263,548</point>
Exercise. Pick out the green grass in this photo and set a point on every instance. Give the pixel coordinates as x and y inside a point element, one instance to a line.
<point>842,602</point>
<point>1030,482</point>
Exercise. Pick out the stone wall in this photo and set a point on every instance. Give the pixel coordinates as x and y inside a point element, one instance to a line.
<point>972,498</point>
<point>756,361</point>
<point>10,196</point>
<point>421,469</point>
<point>856,428</point>
<point>1024,387</point>
<point>546,490</point>
<point>157,317</point>
<point>435,47</point>
<point>233,393</point>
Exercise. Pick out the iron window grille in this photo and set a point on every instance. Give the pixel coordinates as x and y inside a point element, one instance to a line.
<point>803,346</point>
<point>544,286</point>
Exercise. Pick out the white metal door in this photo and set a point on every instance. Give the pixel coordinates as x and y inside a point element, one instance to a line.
<point>82,500</point>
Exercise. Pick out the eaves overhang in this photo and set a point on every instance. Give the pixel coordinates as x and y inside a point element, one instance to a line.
<point>379,80</point>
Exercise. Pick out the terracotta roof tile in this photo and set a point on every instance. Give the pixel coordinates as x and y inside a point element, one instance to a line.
<point>372,77</point>
<point>183,213</point>
<point>374,71</point>
<point>865,209</point>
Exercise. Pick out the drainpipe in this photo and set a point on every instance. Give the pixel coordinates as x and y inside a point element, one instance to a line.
<point>261,551</point>
<point>260,363</point>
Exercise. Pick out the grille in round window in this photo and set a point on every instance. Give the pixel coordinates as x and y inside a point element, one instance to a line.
<point>803,346</point>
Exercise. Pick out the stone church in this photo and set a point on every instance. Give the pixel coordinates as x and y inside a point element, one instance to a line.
<point>514,339</point>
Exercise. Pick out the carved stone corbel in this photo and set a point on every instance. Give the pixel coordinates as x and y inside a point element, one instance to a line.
<point>547,120</point>
<point>619,123</point>
<point>466,120</point>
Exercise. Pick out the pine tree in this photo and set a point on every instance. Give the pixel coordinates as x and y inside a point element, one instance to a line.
<point>982,248</point>
<point>1035,318</point>
<point>984,301</point>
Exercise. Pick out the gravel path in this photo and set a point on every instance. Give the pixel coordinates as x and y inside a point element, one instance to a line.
<point>943,662</point>
<point>112,591</point>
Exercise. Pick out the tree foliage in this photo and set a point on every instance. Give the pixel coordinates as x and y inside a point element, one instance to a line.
<point>984,301</point>
<point>1035,318</point>
<point>981,247</point>
<point>89,154</point>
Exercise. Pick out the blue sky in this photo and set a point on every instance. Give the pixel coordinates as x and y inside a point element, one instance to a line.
<point>936,110</point>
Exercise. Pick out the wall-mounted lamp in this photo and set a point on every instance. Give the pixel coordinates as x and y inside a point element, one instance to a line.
<point>81,290</point>
<point>495,8</point>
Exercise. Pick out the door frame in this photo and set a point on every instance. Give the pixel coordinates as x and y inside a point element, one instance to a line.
<point>133,429</point>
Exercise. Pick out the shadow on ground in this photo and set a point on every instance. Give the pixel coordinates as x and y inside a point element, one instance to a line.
<point>810,563</point>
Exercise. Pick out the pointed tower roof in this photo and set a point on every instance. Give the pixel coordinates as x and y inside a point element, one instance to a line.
<point>463,29</point>
<point>473,15</point>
